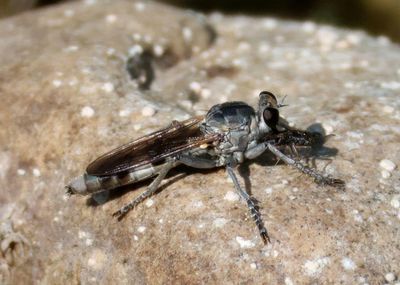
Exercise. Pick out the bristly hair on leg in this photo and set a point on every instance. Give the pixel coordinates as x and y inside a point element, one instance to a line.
<point>252,204</point>
<point>254,207</point>
<point>318,177</point>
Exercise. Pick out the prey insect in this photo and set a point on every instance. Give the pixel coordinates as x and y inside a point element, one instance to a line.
<point>226,136</point>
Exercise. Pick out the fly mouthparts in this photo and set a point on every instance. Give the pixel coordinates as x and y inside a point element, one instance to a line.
<point>68,191</point>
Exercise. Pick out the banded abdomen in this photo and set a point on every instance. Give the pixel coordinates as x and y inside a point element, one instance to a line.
<point>88,184</point>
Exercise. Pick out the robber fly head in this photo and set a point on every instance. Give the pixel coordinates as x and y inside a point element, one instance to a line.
<point>268,113</point>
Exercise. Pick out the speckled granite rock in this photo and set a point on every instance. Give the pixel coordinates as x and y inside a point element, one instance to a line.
<point>67,97</point>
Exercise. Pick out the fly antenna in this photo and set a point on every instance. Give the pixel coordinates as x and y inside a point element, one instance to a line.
<point>281,104</point>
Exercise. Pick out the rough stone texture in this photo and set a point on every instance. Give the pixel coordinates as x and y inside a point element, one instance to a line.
<point>66,98</point>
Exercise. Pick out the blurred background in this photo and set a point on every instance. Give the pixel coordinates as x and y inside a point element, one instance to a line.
<point>378,17</point>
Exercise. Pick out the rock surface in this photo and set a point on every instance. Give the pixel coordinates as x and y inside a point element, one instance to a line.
<point>67,97</point>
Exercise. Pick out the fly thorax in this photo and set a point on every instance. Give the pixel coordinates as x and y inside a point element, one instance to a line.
<point>236,121</point>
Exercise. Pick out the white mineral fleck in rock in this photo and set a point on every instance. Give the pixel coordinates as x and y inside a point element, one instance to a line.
<point>124,113</point>
<point>395,201</point>
<point>73,82</point>
<point>357,216</point>
<point>110,51</point>
<point>342,44</point>
<point>385,174</point>
<point>187,34</point>
<point>387,165</point>
<point>288,281</point>
<point>69,13</point>
<point>198,204</point>
<point>264,48</point>
<point>135,49</point>
<point>83,234</point>
<point>195,87</point>
<point>309,27</point>
<point>244,243</point>
<point>391,85</point>
<point>326,36</point>
<point>21,172</point>
<point>87,112</point>
<point>351,145</point>
<point>315,267</point>
<point>328,128</point>
<point>353,38</point>
<point>89,2</point>
<point>269,24</point>
<point>140,6</point>
<point>71,48</point>
<point>253,265</point>
<point>147,39</point>
<point>97,259</point>
<point>388,109</point>
<point>355,134</point>
<point>219,222</point>
<point>57,83</point>
<point>390,277</point>
<point>148,111</point>
<point>205,93</point>
<point>268,190</point>
<point>89,242</point>
<point>149,203</point>
<point>135,237</point>
<point>244,46</point>
<point>348,264</point>
<point>141,229</point>
<point>107,87</point>
<point>137,37</point>
<point>36,172</point>
<point>231,196</point>
<point>111,18</point>
<point>158,50</point>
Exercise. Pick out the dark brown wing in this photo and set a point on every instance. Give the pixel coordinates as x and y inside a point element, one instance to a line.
<point>152,148</point>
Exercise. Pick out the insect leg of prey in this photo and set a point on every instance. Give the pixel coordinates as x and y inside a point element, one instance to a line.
<point>318,177</point>
<point>89,184</point>
<point>150,190</point>
<point>251,204</point>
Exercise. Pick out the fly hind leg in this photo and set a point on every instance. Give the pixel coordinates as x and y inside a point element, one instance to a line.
<point>149,191</point>
<point>252,204</point>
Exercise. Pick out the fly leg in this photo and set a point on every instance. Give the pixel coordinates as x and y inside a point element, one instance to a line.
<point>150,191</point>
<point>197,162</point>
<point>251,204</point>
<point>318,177</point>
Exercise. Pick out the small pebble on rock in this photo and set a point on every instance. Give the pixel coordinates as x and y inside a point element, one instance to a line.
<point>387,165</point>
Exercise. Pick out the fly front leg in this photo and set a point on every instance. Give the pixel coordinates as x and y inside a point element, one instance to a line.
<point>254,151</point>
<point>251,204</point>
<point>150,190</point>
<point>319,178</point>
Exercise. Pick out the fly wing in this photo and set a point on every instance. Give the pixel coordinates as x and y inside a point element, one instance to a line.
<point>152,148</point>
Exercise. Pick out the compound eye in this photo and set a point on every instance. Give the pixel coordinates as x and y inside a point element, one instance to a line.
<point>268,99</point>
<point>271,117</point>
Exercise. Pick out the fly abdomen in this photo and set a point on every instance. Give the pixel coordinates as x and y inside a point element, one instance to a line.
<point>88,184</point>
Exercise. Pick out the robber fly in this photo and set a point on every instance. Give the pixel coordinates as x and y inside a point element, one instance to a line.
<point>227,135</point>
